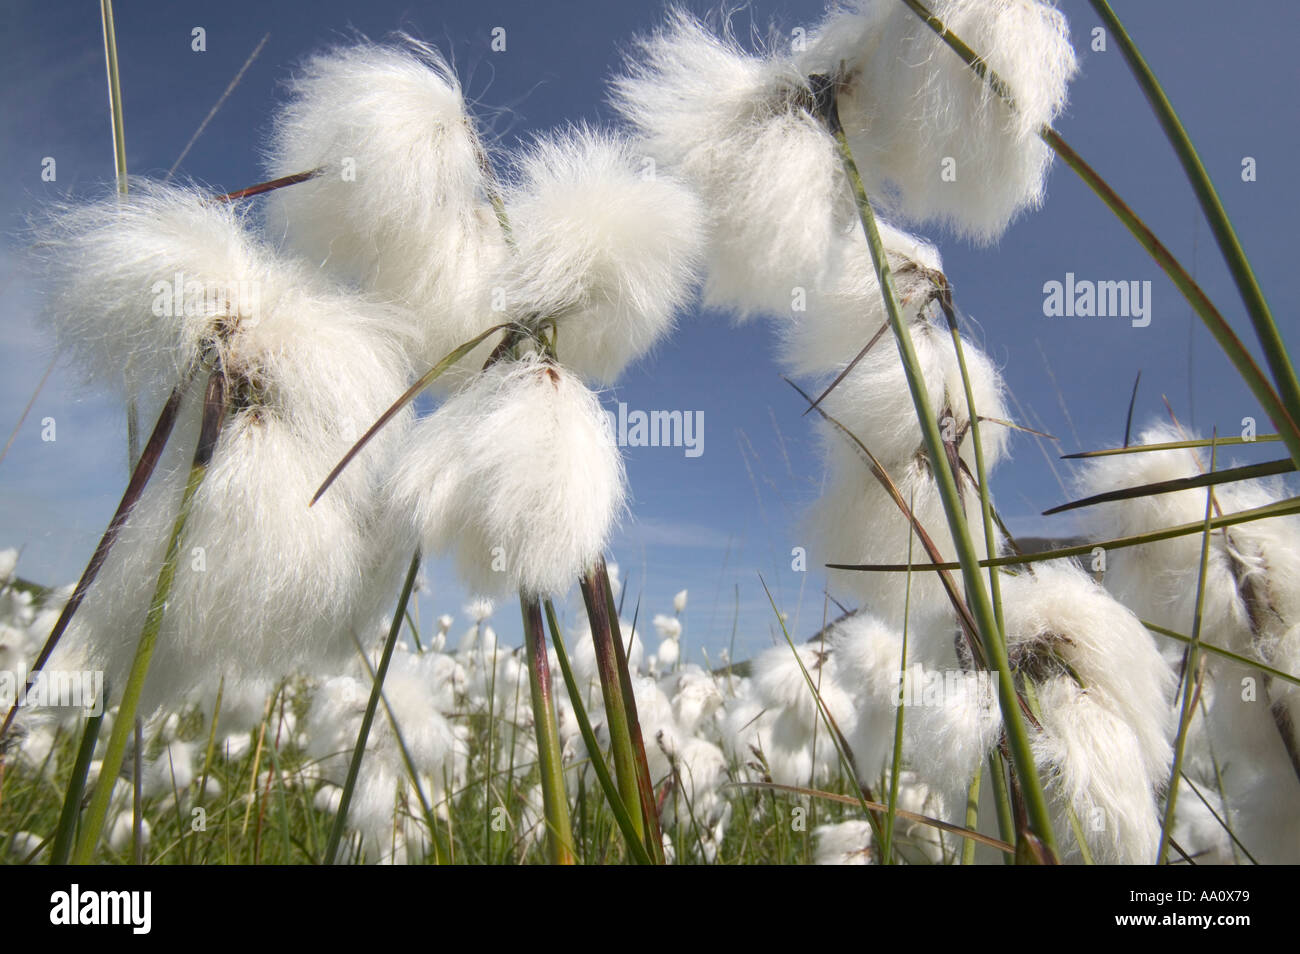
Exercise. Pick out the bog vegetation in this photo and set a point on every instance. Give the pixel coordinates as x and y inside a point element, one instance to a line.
<point>269,694</point>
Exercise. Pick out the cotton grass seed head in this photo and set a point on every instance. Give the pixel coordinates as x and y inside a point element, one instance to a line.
<point>1159,581</point>
<point>820,334</point>
<point>606,244</point>
<point>265,585</point>
<point>738,127</point>
<point>856,521</point>
<point>142,286</point>
<point>1094,764</point>
<point>518,474</point>
<point>1058,615</point>
<point>400,206</point>
<point>931,139</point>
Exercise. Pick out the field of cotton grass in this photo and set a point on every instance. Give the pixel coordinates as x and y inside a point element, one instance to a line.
<point>270,696</point>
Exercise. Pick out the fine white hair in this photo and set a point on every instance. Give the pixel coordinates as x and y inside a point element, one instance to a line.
<point>264,585</point>
<point>856,521</point>
<point>400,205</point>
<point>933,142</point>
<point>604,243</point>
<point>1059,610</point>
<point>518,473</point>
<point>738,128</point>
<point>1106,702</point>
<point>140,286</point>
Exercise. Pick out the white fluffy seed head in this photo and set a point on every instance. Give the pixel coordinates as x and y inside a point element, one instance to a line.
<point>1253,570</point>
<point>930,138</point>
<point>668,627</point>
<point>265,586</point>
<point>737,127</point>
<point>843,843</point>
<point>874,403</point>
<point>952,717</point>
<point>873,399</point>
<point>140,285</point>
<point>517,473</point>
<point>1159,580</point>
<point>401,204</point>
<point>855,521</point>
<point>1265,559</point>
<point>989,391</point>
<point>867,655</point>
<point>605,243</point>
<point>417,694</point>
<point>824,330</point>
<point>1095,763</point>
<point>1058,611</point>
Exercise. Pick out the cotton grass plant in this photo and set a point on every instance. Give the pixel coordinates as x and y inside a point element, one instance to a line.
<point>973,689</point>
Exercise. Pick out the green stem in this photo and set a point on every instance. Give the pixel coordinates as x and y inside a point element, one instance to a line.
<point>1002,801</point>
<point>372,704</point>
<point>1225,653</point>
<point>214,411</point>
<point>114,94</point>
<point>119,168</point>
<point>67,830</point>
<point>645,787</point>
<point>977,595</point>
<point>621,816</point>
<point>1191,663</point>
<point>611,687</point>
<point>981,474</point>
<point>555,801</point>
<point>972,817</point>
<point>887,846</point>
<point>1224,234</point>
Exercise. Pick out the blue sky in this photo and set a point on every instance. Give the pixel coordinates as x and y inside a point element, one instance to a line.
<point>714,522</point>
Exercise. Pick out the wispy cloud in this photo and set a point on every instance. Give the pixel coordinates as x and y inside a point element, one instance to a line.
<point>650,532</point>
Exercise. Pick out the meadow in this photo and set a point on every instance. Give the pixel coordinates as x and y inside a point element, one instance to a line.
<point>241,675</point>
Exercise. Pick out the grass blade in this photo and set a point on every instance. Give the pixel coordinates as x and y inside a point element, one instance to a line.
<point>1279,508</point>
<point>1169,445</point>
<point>263,187</point>
<point>1224,234</point>
<point>621,816</point>
<point>372,704</point>
<point>72,798</point>
<point>555,801</point>
<point>411,394</point>
<point>214,412</point>
<point>1132,403</point>
<point>611,687</point>
<point>645,786</point>
<point>1212,479</point>
<point>1191,676</point>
